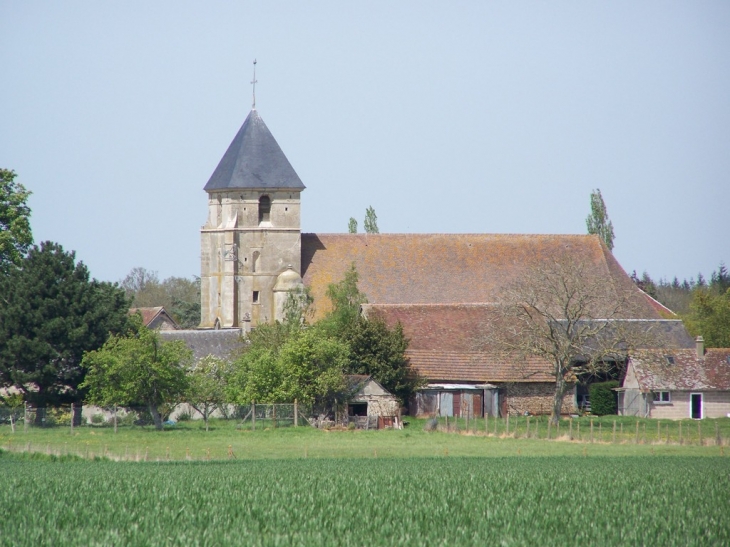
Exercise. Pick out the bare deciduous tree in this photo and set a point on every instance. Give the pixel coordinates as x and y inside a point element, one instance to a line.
<point>563,312</point>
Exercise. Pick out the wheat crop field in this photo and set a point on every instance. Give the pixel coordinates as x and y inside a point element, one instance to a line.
<point>300,486</point>
<point>553,500</point>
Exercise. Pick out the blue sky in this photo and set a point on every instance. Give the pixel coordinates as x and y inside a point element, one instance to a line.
<point>445,117</point>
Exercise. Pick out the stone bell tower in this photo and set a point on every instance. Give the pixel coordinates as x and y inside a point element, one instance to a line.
<point>251,243</point>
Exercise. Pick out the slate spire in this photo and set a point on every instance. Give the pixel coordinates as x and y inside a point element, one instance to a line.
<point>254,160</point>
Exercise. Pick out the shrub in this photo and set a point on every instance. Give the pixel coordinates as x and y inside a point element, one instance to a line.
<point>184,416</point>
<point>603,399</point>
<point>97,419</point>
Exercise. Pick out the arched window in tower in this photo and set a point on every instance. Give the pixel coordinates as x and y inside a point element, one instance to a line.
<point>254,260</point>
<point>264,209</point>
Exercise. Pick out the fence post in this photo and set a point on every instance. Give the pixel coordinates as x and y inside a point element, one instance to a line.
<point>253,415</point>
<point>570,432</point>
<point>591,429</point>
<point>72,418</point>
<point>25,417</point>
<point>614,432</point>
<point>680,432</point>
<point>637,432</point>
<point>508,423</point>
<point>699,431</point>
<point>549,425</point>
<point>115,418</point>
<point>274,414</point>
<point>296,413</point>
<point>718,439</point>
<point>486,423</point>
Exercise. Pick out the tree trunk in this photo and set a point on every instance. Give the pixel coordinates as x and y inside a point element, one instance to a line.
<point>561,387</point>
<point>156,416</point>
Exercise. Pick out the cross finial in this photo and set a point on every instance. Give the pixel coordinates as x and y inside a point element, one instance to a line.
<point>253,83</point>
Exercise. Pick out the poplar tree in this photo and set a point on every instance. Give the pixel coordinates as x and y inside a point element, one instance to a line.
<point>371,221</point>
<point>598,222</point>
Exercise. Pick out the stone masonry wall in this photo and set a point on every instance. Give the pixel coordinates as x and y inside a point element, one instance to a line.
<point>535,398</point>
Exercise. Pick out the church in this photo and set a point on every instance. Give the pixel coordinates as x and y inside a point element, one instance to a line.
<point>440,287</point>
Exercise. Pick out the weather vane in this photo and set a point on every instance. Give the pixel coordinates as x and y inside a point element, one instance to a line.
<point>253,83</point>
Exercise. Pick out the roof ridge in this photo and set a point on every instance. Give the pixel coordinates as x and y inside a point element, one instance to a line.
<point>476,234</point>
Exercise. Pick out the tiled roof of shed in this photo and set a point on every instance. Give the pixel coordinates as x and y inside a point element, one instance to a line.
<point>447,342</point>
<point>655,372</point>
<point>254,160</point>
<point>464,366</point>
<point>449,268</point>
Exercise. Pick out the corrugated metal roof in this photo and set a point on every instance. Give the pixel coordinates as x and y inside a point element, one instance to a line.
<point>254,160</point>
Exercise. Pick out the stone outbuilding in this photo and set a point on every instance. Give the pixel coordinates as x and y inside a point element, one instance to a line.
<point>677,384</point>
<point>371,406</point>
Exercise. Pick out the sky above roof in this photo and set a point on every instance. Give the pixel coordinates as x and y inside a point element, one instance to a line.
<point>466,117</point>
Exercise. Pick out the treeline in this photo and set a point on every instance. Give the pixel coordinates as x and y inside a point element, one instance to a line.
<point>179,296</point>
<point>703,305</point>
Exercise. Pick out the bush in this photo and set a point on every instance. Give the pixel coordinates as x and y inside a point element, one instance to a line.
<point>603,399</point>
<point>97,419</point>
<point>184,416</point>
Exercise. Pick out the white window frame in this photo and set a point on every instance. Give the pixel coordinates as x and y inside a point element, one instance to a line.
<point>660,400</point>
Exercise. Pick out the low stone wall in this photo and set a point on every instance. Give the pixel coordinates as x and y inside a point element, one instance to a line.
<point>535,398</point>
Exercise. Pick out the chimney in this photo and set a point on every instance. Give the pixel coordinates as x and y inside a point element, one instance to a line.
<point>700,347</point>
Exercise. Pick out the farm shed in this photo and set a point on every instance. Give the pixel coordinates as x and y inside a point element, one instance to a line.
<point>677,384</point>
<point>371,405</point>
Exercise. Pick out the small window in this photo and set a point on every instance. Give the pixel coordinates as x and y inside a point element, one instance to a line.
<point>256,297</point>
<point>662,397</point>
<point>670,359</point>
<point>264,209</point>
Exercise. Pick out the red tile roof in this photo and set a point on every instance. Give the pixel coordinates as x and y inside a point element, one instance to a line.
<point>447,342</point>
<point>655,372</point>
<point>448,268</point>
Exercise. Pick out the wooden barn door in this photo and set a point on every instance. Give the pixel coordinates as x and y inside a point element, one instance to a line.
<point>477,405</point>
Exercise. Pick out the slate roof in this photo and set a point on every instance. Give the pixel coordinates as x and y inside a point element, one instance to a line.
<point>220,343</point>
<point>654,372</point>
<point>254,160</point>
<point>450,268</point>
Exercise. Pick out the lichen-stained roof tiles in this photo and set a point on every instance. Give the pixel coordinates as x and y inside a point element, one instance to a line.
<point>447,342</point>
<point>684,372</point>
<point>449,268</point>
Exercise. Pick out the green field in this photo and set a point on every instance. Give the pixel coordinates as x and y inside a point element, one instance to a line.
<point>226,439</point>
<point>566,500</point>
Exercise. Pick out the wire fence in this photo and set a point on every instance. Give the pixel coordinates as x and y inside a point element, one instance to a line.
<point>606,429</point>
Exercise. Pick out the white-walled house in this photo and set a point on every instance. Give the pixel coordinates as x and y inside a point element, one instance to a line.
<point>677,384</point>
